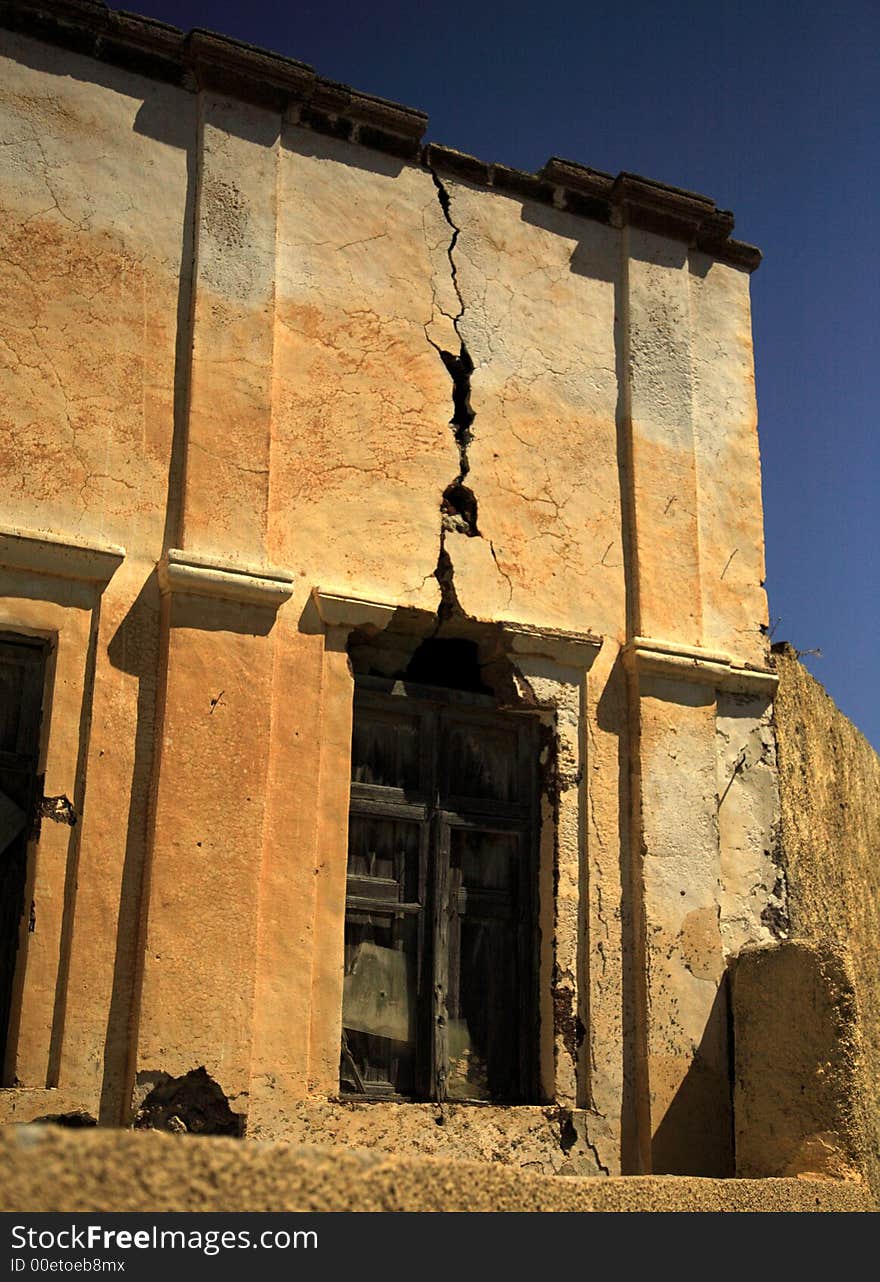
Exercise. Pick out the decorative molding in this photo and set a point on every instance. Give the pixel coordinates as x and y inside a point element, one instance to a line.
<point>196,575</point>
<point>339,611</point>
<point>572,649</point>
<point>38,552</point>
<point>650,657</point>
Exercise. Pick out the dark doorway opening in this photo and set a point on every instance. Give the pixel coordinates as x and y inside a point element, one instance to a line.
<point>22,678</point>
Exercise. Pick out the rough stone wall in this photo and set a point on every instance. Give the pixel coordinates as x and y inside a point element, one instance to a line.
<point>829,783</point>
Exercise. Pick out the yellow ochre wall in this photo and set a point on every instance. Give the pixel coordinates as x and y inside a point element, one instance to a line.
<point>225,432</point>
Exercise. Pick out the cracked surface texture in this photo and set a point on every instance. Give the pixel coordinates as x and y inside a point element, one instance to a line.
<point>430,401</point>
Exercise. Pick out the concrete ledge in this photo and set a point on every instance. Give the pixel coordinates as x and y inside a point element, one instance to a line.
<point>650,657</point>
<point>203,576</point>
<point>38,552</point>
<point>571,649</point>
<point>47,1168</point>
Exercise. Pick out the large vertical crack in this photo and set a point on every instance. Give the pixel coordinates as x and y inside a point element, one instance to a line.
<point>458,506</point>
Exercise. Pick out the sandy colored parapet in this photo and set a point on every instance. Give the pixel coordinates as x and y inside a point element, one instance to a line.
<point>797,1100</point>
<point>829,783</point>
<point>46,1169</point>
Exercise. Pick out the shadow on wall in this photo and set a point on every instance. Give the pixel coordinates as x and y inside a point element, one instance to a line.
<point>775,1088</point>
<point>133,649</point>
<point>695,1135</point>
<point>596,253</point>
<point>612,717</point>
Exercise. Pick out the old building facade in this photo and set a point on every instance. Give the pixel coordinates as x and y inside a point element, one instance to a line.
<point>382,549</point>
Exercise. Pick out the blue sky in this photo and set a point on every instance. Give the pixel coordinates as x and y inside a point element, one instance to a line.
<point>772,109</point>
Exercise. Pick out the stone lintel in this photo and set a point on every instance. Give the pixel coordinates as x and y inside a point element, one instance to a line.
<point>650,657</point>
<point>571,649</point>
<point>337,610</point>
<point>196,575</point>
<point>62,557</point>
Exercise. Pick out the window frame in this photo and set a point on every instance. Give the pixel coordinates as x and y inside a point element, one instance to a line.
<point>439,813</point>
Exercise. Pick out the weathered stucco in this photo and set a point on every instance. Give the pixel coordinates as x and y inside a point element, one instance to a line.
<point>251,333</point>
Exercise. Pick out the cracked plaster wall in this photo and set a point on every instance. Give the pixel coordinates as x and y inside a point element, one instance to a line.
<point>90,289</point>
<point>90,282</point>
<point>226,332</point>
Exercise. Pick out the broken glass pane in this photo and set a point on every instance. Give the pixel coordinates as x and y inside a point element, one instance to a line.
<point>376,994</point>
<point>378,1003</point>
<point>387,850</point>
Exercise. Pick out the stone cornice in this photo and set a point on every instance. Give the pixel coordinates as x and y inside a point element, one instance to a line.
<point>194,575</point>
<point>652,658</point>
<point>204,60</point>
<point>38,552</point>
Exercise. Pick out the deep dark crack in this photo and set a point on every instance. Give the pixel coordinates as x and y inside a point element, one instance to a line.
<point>445,576</point>
<point>460,369</point>
<point>458,506</point>
<point>443,196</point>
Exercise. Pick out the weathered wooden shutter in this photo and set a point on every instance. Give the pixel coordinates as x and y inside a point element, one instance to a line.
<point>440,987</point>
